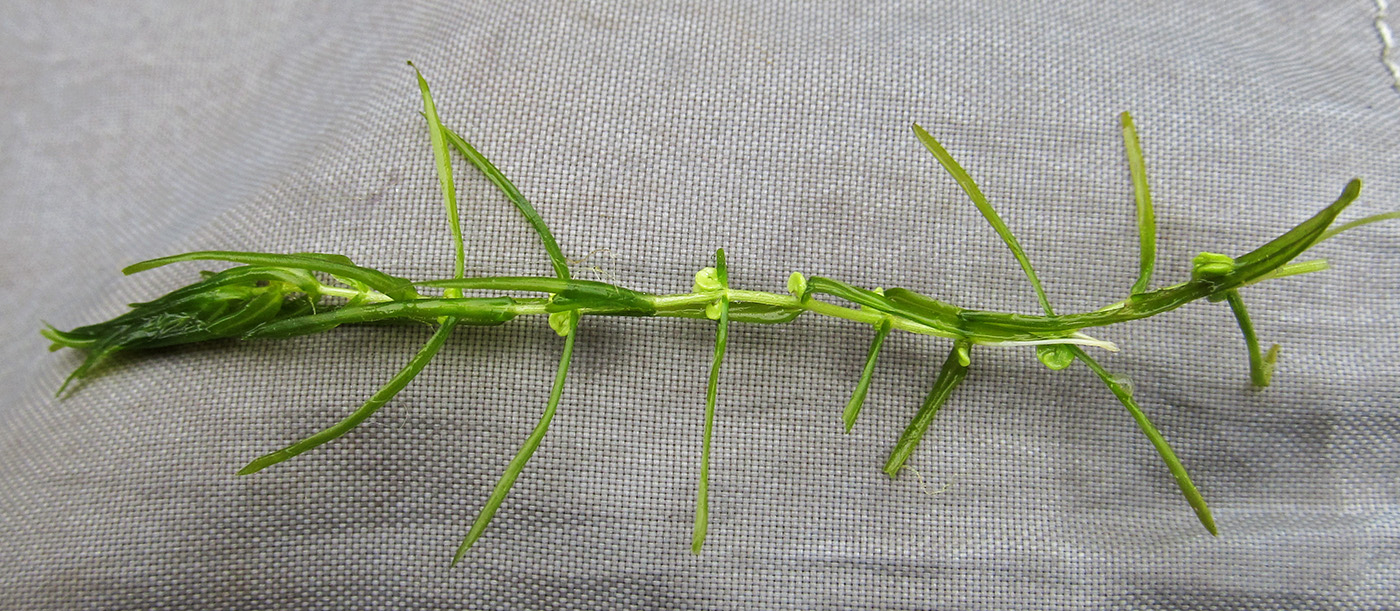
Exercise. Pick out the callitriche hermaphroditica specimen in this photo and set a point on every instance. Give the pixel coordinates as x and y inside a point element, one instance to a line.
<point>285,295</point>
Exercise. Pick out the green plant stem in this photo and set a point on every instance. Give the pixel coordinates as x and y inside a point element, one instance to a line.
<point>1261,366</point>
<point>684,305</point>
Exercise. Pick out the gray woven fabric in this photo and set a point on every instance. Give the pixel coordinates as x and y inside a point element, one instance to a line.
<point>653,135</point>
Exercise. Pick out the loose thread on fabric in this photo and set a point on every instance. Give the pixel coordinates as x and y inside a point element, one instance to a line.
<point>1387,42</point>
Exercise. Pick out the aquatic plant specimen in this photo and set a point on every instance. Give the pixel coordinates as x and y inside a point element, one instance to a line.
<point>283,295</point>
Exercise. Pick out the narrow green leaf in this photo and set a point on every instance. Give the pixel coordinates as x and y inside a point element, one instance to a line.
<point>1261,366</point>
<point>444,170</point>
<point>66,339</point>
<point>1286,247</point>
<point>1146,219</point>
<point>376,401</point>
<point>522,457</point>
<point>484,165</point>
<point>702,497</point>
<point>94,358</point>
<point>1384,216</point>
<point>762,313</point>
<point>1183,481</point>
<point>601,297</point>
<point>258,310</point>
<point>1294,269</point>
<point>929,312</point>
<point>863,386</point>
<point>470,310</point>
<point>978,199</point>
<point>952,374</point>
<point>393,286</point>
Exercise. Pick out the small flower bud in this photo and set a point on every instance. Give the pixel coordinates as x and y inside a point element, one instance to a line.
<point>1211,265</point>
<point>1054,356</point>
<point>964,353</point>
<point>707,280</point>
<point>561,322</point>
<point>797,285</point>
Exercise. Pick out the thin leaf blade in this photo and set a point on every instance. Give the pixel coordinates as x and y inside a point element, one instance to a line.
<point>974,193</point>
<point>393,286</point>
<point>376,401</point>
<point>949,377</point>
<point>1178,471</point>
<point>532,216</point>
<point>444,171</point>
<point>1146,218</point>
<point>857,401</point>
<point>532,443</point>
<point>702,495</point>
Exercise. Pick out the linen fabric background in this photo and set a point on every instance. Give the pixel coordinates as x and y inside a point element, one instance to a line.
<point>648,135</point>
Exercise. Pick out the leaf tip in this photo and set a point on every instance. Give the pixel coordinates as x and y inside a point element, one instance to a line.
<point>1207,521</point>
<point>462,550</point>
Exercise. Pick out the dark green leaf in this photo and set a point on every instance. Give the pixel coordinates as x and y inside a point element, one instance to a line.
<point>376,401</point>
<point>394,287</point>
<point>517,464</point>
<point>949,377</point>
<point>863,386</point>
<point>702,497</point>
<point>1183,481</point>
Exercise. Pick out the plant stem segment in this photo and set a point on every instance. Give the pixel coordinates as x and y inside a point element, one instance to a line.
<point>279,295</point>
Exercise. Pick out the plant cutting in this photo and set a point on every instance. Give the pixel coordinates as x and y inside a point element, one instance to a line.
<point>270,296</point>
